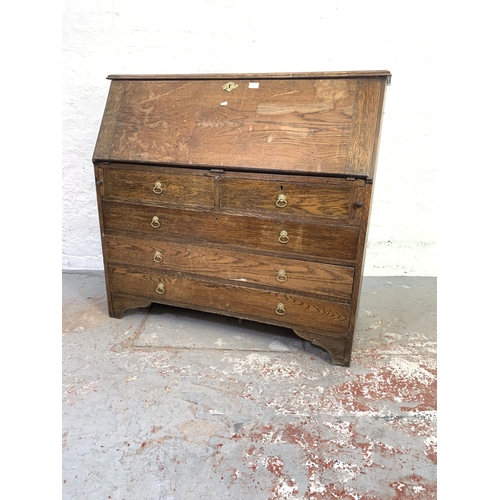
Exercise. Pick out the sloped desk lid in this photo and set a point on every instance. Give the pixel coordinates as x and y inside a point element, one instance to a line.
<point>326,123</point>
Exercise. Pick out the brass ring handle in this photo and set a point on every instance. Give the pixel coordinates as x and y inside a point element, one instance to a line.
<point>280,309</point>
<point>157,189</point>
<point>281,277</point>
<point>283,237</point>
<point>155,222</point>
<point>157,257</point>
<point>160,289</point>
<point>281,201</point>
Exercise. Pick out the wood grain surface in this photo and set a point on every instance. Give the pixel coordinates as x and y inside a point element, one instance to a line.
<point>228,264</point>
<point>252,202</point>
<point>263,76</point>
<point>302,199</point>
<point>189,189</point>
<point>244,231</point>
<point>286,125</point>
<point>233,300</point>
<point>335,346</point>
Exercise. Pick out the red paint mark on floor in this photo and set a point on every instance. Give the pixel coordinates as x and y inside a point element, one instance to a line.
<point>406,383</point>
<point>336,457</point>
<point>414,487</point>
<point>275,466</point>
<point>299,436</point>
<point>431,449</point>
<point>332,492</point>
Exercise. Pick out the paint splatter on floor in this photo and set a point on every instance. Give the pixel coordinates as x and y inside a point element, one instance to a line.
<point>150,421</point>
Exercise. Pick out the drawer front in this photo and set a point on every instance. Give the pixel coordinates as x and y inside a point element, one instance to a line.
<point>324,199</point>
<point>252,303</point>
<point>239,267</point>
<point>287,237</point>
<point>160,186</point>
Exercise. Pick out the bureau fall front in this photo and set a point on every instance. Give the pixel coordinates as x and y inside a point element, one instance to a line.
<point>242,195</point>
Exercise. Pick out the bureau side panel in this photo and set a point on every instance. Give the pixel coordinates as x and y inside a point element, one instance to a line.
<point>365,131</point>
<point>341,350</point>
<point>99,180</point>
<point>108,123</point>
<point>358,270</point>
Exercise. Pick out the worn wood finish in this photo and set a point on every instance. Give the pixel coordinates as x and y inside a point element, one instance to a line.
<point>222,159</point>
<point>119,303</point>
<point>243,231</point>
<point>296,198</point>
<point>228,264</point>
<point>233,300</point>
<point>290,125</point>
<point>335,346</point>
<point>358,270</point>
<point>184,123</point>
<point>261,76</point>
<point>98,174</point>
<point>186,189</point>
<point>107,129</point>
<point>364,128</point>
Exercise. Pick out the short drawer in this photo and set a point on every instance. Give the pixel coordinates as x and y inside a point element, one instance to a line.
<point>285,309</point>
<point>339,199</point>
<point>185,189</point>
<point>238,267</point>
<point>287,237</point>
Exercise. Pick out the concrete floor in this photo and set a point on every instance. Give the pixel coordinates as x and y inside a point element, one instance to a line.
<point>167,403</point>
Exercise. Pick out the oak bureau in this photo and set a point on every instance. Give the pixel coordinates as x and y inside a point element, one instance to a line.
<point>246,195</point>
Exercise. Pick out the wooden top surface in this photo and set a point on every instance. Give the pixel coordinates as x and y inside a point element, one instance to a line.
<point>324,123</point>
<point>262,76</point>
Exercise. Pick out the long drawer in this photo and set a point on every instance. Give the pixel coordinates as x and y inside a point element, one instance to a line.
<point>275,307</point>
<point>256,233</point>
<point>236,266</point>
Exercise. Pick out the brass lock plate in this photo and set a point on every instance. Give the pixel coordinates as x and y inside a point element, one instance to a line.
<point>230,86</point>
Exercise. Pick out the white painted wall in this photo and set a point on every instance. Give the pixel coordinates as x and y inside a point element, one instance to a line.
<point>102,37</point>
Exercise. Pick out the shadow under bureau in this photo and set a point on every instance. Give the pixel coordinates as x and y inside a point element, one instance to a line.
<point>243,195</point>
